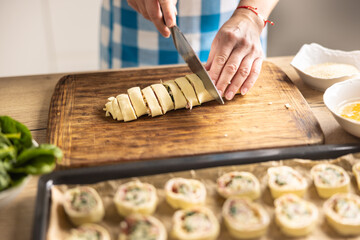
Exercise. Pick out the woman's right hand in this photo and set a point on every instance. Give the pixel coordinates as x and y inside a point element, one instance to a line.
<point>154,10</point>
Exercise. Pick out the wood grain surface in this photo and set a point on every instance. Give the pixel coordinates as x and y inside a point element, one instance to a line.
<point>78,125</point>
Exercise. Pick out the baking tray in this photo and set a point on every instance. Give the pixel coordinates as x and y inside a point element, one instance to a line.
<point>92,175</point>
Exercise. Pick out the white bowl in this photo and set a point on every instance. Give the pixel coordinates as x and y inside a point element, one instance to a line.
<point>313,54</point>
<point>339,94</point>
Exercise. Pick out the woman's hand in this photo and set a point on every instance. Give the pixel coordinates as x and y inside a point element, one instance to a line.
<point>236,55</point>
<point>154,10</point>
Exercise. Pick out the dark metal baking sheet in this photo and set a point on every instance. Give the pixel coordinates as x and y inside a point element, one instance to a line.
<point>96,174</point>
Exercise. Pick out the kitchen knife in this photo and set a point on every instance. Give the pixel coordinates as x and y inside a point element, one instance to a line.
<point>189,56</point>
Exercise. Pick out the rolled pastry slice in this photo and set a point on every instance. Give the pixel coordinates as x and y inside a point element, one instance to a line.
<point>152,102</point>
<point>284,179</point>
<point>185,193</point>
<point>176,94</point>
<point>244,218</point>
<point>242,184</point>
<point>202,94</point>
<point>163,96</point>
<point>356,171</point>
<point>342,212</point>
<point>137,226</point>
<point>83,205</point>
<point>196,223</point>
<point>112,107</point>
<point>188,92</point>
<point>137,101</point>
<point>109,111</point>
<point>330,179</point>
<point>127,109</point>
<point>135,197</point>
<point>295,216</point>
<point>89,231</point>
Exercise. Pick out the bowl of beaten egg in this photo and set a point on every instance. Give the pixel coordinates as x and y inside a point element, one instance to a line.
<point>343,101</point>
<point>320,67</point>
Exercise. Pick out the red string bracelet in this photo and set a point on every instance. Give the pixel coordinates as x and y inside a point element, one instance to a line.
<point>254,10</point>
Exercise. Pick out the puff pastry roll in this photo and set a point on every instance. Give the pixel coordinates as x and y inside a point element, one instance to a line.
<point>144,227</point>
<point>196,223</point>
<point>330,179</point>
<point>356,171</point>
<point>176,94</point>
<point>185,193</point>
<point>284,179</point>
<point>137,101</point>
<point>152,102</point>
<point>242,184</point>
<point>295,216</point>
<point>342,212</point>
<point>163,96</point>
<point>112,108</point>
<point>89,231</point>
<point>202,94</point>
<point>83,205</point>
<point>244,218</point>
<point>135,197</point>
<point>126,108</point>
<point>188,92</point>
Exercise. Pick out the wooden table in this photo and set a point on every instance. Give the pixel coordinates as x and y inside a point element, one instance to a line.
<point>27,99</point>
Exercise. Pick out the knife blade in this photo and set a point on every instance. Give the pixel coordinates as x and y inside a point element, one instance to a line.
<point>193,62</point>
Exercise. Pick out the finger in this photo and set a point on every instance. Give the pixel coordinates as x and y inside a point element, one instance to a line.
<point>254,74</point>
<point>134,5</point>
<point>154,11</point>
<point>230,69</point>
<point>142,9</point>
<point>169,10</point>
<point>211,54</point>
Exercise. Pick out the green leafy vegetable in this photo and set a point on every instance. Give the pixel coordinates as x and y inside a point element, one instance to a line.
<point>18,156</point>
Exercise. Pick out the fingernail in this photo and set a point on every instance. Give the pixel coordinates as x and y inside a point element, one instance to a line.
<point>229,95</point>
<point>220,92</point>
<point>244,91</point>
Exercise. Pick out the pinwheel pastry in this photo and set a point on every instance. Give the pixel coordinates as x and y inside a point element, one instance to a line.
<point>295,216</point>
<point>356,172</point>
<point>242,184</point>
<point>83,205</point>
<point>330,179</point>
<point>284,179</point>
<point>342,212</point>
<point>195,223</point>
<point>185,193</point>
<point>245,219</point>
<point>135,197</point>
<point>144,227</point>
<point>89,231</point>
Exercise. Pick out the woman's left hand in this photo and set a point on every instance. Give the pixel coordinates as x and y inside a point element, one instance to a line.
<point>236,55</point>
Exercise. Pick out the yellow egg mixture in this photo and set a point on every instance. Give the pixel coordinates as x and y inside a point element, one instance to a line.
<point>351,110</point>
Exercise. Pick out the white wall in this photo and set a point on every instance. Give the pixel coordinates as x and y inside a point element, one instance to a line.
<point>43,36</point>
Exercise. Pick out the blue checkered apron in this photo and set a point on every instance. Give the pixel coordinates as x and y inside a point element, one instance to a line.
<point>129,40</point>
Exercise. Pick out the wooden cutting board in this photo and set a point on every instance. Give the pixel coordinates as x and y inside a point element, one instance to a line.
<point>77,122</point>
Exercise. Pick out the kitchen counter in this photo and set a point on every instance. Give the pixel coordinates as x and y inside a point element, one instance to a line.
<point>27,99</point>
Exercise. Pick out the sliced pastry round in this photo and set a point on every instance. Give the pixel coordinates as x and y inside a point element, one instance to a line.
<point>163,96</point>
<point>135,197</point>
<point>356,171</point>
<point>152,102</point>
<point>176,94</point>
<point>83,205</point>
<point>89,231</point>
<point>185,193</point>
<point>284,179</point>
<point>342,212</point>
<point>112,108</point>
<point>330,179</point>
<point>244,218</point>
<point>127,109</point>
<point>188,92</point>
<point>196,223</point>
<point>295,216</point>
<point>144,227</point>
<point>137,101</point>
<point>242,184</point>
<point>201,93</point>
